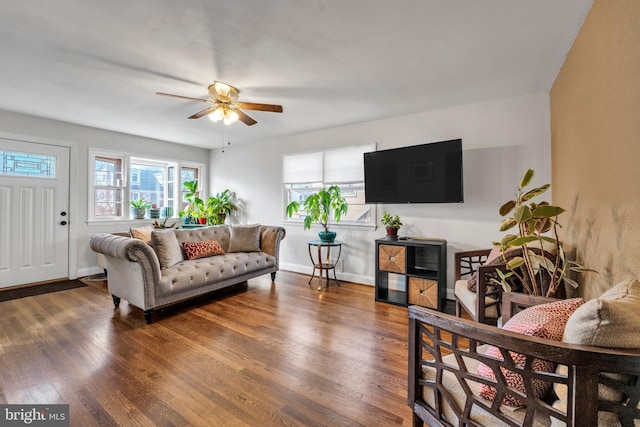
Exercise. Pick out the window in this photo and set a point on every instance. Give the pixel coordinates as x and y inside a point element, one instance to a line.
<point>27,164</point>
<point>120,178</point>
<point>188,174</point>
<point>304,174</point>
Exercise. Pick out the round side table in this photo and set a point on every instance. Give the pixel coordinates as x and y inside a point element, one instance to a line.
<point>324,262</point>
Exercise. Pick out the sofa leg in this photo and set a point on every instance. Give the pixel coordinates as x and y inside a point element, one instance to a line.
<point>148,316</point>
<point>116,300</point>
<point>273,276</point>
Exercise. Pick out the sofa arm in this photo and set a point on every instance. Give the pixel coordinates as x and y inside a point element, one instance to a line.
<point>134,268</point>
<point>270,237</point>
<point>433,335</point>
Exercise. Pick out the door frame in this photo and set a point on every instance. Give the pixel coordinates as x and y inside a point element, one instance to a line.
<point>73,190</point>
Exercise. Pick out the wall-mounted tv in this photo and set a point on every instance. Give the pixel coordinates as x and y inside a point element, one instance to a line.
<point>426,173</point>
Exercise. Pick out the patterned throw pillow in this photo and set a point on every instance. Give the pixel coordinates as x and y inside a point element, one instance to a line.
<point>195,250</point>
<point>542,321</point>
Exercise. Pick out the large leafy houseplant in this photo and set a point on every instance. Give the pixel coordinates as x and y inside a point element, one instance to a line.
<point>534,224</point>
<point>320,207</point>
<point>195,205</point>
<point>219,206</point>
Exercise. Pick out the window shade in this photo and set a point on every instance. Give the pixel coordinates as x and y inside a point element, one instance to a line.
<point>346,164</point>
<point>300,168</point>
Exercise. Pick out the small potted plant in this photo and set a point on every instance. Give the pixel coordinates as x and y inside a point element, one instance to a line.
<point>392,223</point>
<point>319,207</point>
<point>139,207</point>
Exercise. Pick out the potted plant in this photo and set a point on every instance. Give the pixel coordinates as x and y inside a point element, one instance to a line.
<point>535,224</point>
<point>319,208</point>
<point>392,223</point>
<point>194,202</point>
<point>139,207</point>
<point>219,206</point>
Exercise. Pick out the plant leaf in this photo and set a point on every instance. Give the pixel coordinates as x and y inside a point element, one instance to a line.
<point>547,211</point>
<point>522,214</point>
<point>581,269</point>
<point>506,239</point>
<point>571,282</point>
<point>519,241</point>
<point>507,207</point>
<point>535,192</point>
<point>507,224</point>
<point>515,263</point>
<point>526,179</point>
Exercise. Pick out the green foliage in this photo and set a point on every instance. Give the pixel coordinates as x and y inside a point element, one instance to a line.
<point>392,221</point>
<point>321,206</point>
<point>195,207</point>
<point>531,220</point>
<point>140,204</point>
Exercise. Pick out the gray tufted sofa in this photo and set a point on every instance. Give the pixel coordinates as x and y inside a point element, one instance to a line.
<point>135,272</point>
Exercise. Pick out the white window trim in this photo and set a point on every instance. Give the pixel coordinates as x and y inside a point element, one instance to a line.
<point>126,160</point>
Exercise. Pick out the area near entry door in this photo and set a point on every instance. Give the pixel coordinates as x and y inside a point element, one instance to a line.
<point>34,212</point>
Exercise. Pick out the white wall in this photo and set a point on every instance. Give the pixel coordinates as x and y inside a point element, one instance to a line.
<point>501,139</point>
<point>80,138</point>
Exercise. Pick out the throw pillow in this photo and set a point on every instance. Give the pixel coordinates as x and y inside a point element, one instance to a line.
<point>612,321</point>
<point>167,248</point>
<point>542,321</point>
<point>244,238</point>
<point>195,250</point>
<point>142,233</point>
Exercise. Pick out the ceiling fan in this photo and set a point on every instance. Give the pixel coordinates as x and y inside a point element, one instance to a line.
<point>224,106</point>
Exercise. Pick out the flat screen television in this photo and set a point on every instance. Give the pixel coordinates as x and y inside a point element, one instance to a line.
<point>426,173</point>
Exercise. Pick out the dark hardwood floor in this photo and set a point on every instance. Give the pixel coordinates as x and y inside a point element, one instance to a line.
<point>268,354</point>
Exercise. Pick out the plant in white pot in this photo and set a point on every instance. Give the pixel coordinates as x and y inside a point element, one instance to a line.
<point>320,207</point>
<point>139,207</point>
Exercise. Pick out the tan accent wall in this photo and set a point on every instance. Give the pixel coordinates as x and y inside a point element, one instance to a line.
<point>595,144</point>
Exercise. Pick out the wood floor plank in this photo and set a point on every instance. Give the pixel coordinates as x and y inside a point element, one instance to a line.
<point>263,354</point>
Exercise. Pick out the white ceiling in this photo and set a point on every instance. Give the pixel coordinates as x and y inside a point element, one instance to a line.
<point>328,62</point>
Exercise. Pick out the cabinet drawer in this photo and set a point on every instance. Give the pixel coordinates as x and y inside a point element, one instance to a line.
<point>423,292</point>
<point>391,258</point>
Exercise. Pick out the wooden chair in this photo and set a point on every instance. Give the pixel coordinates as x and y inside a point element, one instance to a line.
<point>483,305</point>
<point>444,353</point>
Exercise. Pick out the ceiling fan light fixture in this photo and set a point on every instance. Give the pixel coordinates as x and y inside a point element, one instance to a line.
<point>217,115</point>
<point>230,117</point>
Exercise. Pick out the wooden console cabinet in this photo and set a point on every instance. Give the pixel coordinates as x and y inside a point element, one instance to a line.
<point>412,272</point>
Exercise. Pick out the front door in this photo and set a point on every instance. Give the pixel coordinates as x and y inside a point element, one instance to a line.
<point>34,212</point>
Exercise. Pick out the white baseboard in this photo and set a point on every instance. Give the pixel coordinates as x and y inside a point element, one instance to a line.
<point>82,272</point>
<point>347,277</point>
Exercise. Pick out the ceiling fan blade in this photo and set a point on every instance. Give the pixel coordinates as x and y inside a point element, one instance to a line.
<point>259,107</point>
<point>244,118</point>
<point>184,97</point>
<point>202,113</point>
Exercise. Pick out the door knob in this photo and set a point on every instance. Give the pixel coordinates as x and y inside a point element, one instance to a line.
<point>63,222</point>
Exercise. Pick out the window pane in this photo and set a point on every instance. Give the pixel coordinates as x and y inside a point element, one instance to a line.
<point>147,182</point>
<point>108,202</point>
<point>108,172</point>
<point>27,164</point>
<point>187,174</point>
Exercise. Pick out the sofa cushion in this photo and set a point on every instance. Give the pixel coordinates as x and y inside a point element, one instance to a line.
<point>192,274</point>
<point>244,238</point>
<point>195,250</point>
<point>167,248</point>
<point>468,298</point>
<point>142,233</point>
<point>542,321</point>
<point>613,321</point>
